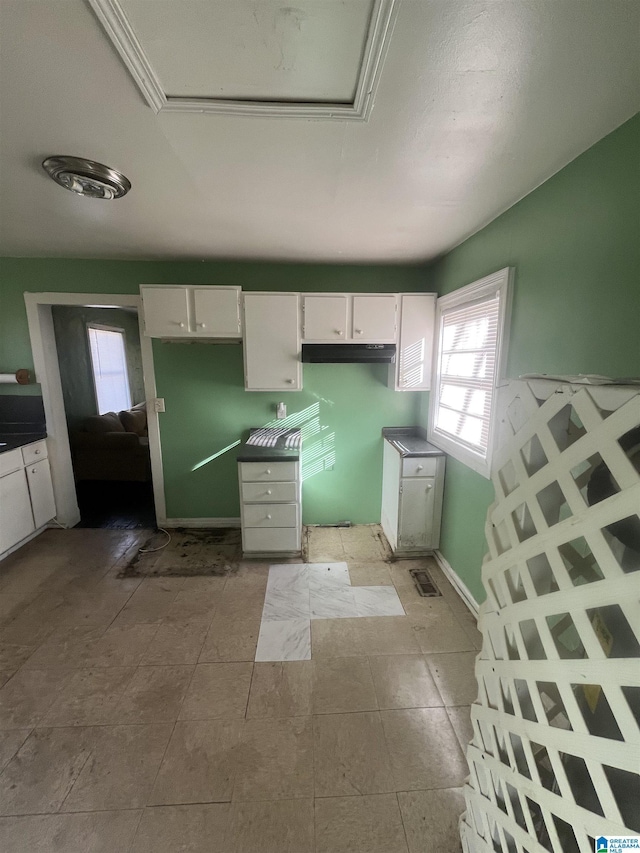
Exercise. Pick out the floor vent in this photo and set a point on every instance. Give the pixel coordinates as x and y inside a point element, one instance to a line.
<point>423,582</point>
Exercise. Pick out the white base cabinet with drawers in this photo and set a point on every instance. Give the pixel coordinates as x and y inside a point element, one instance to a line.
<point>270,508</point>
<point>412,489</point>
<point>26,494</point>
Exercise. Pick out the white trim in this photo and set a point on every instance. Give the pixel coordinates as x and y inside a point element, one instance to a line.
<point>47,373</point>
<point>498,282</point>
<point>121,33</point>
<point>457,583</point>
<point>201,522</point>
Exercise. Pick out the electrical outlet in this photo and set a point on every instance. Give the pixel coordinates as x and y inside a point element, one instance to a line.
<point>158,404</point>
<point>281,411</point>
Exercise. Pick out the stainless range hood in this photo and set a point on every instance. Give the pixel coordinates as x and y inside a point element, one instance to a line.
<point>349,353</point>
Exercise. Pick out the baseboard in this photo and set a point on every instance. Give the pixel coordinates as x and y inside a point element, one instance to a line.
<point>200,522</point>
<point>458,584</point>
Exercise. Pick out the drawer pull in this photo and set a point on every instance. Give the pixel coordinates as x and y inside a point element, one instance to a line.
<point>289,381</point>
<point>269,516</point>
<point>358,331</point>
<point>269,492</point>
<point>202,325</point>
<point>268,470</point>
<point>420,467</point>
<point>34,470</point>
<point>37,452</point>
<point>339,331</point>
<point>430,486</point>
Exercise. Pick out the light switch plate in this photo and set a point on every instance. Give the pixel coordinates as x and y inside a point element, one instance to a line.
<point>158,404</point>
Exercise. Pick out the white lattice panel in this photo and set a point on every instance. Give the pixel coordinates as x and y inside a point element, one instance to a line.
<point>555,757</point>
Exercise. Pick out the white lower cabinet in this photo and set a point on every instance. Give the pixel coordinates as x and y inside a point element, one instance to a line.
<point>412,489</point>
<point>270,508</point>
<point>26,494</point>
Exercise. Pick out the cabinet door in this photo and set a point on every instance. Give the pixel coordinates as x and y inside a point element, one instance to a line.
<point>217,312</point>
<point>374,318</point>
<point>416,513</point>
<point>165,312</point>
<point>325,318</point>
<point>16,519</point>
<point>415,342</point>
<point>41,490</point>
<point>271,342</point>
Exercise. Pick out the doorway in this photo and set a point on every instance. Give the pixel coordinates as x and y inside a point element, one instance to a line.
<point>79,368</point>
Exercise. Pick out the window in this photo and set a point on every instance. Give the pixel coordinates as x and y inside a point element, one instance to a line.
<point>471,328</point>
<point>109,366</point>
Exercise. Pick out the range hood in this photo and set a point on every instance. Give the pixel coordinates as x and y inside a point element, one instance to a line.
<point>349,353</point>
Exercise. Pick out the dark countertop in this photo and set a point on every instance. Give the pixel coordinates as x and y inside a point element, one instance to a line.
<point>256,453</point>
<point>410,441</point>
<point>11,440</point>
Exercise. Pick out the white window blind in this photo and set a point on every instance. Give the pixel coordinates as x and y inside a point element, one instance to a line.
<point>109,365</point>
<point>470,330</point>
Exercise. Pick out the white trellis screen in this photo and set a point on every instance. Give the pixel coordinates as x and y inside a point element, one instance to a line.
<point>555,756</point>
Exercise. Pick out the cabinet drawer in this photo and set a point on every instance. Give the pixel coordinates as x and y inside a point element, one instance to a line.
<point>276,539</point>
<point>269,492</point>
<point>420,466</point>
<point>10,461</point>
<point>34,452</point>
<point>270,515</point>
<point>262,472</point>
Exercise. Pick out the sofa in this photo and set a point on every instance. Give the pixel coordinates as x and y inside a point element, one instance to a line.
<point>113,446</point>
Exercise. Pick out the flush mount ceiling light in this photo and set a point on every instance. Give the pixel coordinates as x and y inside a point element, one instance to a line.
<point>86,177</point>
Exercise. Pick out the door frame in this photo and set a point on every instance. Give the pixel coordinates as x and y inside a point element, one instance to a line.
<point>47,372</point>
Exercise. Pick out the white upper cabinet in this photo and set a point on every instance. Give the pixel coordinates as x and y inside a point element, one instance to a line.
<point>412,370</point>
<point>374,318</point>
<point>206,311</point>
<point>325,318</point>
<point>347,317</point>
<point>272,342</point>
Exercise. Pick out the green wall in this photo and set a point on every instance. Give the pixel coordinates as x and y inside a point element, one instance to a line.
<point>575,246</point>
<point>343,406</point>
<point>74,356</point>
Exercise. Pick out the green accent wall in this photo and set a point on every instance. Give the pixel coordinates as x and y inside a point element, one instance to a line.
<point>342,408</point>
<point>575,246</point>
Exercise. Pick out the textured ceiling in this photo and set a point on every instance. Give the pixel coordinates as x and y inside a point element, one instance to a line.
<point>477,104</point>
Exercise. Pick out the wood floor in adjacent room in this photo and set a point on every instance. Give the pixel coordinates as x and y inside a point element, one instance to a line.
<point>133,717</point>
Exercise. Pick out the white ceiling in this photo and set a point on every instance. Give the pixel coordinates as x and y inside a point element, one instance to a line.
<point>477,104</point>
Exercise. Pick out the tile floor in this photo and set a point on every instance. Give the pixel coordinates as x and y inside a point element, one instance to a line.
<point>134,717</point>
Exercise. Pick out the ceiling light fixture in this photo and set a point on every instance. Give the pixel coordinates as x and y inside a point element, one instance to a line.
<point>86,177</point>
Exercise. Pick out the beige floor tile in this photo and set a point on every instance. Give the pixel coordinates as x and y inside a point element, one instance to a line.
<point>281,689</point>
<point>154,695</point>
<point>373,573</point>
<point>12,656</point>
<point>470,626</point>
<point>41,774</point>
<point>332,638</point>
<point>217,690</point>
<point>431,819</point>
<point>96,832</point>
<point>11,605</point>
<point>90,697</point>
<point>231,638</point>
<point>440,632</point>
<point>386,635</point>
<point>403,681</point>
<point>78,647</point>
<point>454,675</point>
<point>280,826</point>
<point>275,760</point>
<point>424,750</point>
<point>188,829</point>
<point>197,601</point>
<point>343,684</point>
<point>360,825</point>
<point>324,544</point>
<point>5,675</point>
<point>460,719</point>
<point>151,601</point>
<point>27,697</point>
<point>10,742</point>
<point>199,764</point>
<point>121,769</point>
<point>176,642</point>
<point>350,755</point>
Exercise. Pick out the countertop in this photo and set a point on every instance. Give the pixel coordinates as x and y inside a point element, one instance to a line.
<point>11,440</point>
<point>410,441</point>
<point>257,453</point>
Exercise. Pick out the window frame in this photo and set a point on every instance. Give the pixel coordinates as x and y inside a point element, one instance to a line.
<point>102,327</point>
<point>500,282</point>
